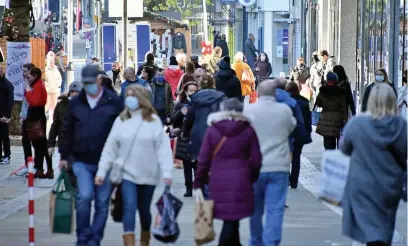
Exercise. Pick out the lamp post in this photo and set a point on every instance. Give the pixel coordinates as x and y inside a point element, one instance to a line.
<point>70,67</point>
<point>98,29</point>
<point>124,34</point>
<point>205,20</point>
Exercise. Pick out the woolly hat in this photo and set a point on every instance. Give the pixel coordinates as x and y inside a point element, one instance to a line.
<point>331,78</point>
<point>173,60</point>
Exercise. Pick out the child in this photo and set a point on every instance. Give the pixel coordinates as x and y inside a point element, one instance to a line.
<point>162,96</point>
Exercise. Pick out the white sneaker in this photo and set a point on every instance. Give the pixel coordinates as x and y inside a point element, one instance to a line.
<point>22,172</point>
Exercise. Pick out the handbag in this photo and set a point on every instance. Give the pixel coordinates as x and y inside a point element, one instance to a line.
<point>246,77</point>
<point>253,98</point>
<point>35,130</point>
<point>403,164</point>
<point>116,172</point>
<point>116,210</point>
<point>203,224</point>
<point>315,116</point>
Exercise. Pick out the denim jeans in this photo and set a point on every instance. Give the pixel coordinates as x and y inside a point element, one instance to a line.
<point>136,196</point>
<point>269,192</point>
<point>90,234</point>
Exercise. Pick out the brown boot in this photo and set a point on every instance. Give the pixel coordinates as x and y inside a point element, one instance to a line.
<point>49,174</point>
<point>39,174</point>
<point>145,238</point>
<point>129,239</point>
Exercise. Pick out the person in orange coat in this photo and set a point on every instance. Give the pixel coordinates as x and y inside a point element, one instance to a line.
<point>245,76</point>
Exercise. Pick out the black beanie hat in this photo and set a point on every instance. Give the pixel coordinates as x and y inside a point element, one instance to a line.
<point>173,60</point>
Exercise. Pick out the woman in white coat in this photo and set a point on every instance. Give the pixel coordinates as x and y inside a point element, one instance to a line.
<point>138,147</point>
<point>53,82</point>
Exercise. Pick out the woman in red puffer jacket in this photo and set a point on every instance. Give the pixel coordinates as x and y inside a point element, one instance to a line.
<point>173,74</point>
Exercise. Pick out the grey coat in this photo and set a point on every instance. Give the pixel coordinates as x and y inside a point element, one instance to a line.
<point>373,190</point>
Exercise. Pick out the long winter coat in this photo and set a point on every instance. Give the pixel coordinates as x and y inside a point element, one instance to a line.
<point>265,68</point>
<point>349,96</point>
<point>52,79</point>
<point>367,94</point>
<point>6,97</point>
<point>332,100</point>
<point>234,168</point>
<point>203,103</point>
<point>373,190</point>
<point>58,120</point>
<point>239,68</point>
<point>227,82</point>
<point>172,75</point>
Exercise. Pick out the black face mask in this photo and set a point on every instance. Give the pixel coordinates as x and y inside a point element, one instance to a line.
<point>316,58</point>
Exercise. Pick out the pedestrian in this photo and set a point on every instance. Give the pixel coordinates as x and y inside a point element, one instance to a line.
<point>262,66</point>
<point>130,78</point>
<point>87,124</point>
<point>106,82</point>
<point>148,66</point>
<point>116,75</point>
<point>182,61</point>
<point>332,100</point>
<point>231,151</point>
<point>26,143</point>
<point>58,121</point>
<point>300,74</point>
<point>381,76</point>
<point>226,81</point>
<point>53,82</point>
<point>315,79</point>
<point>176,120</point>
<point>377,144</point>
<point>172,75</point>
<point>250,50</point>
<point>162,97</point>
<point>194,60</point>
<point>137,138</point>
<point>222,43</point>
<point>303,103</point>
<point>6,106</point>
<point>345,84</point>
<point>214,59</point>
<point>204,102</point>
<point>189,71</point>
<point>61,63</point>
<point>245,76</point>
<point>403,96</point>
<point>36,96</point>
<point>271,188</point>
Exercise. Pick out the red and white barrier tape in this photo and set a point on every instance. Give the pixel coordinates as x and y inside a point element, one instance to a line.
<point>31,196</point>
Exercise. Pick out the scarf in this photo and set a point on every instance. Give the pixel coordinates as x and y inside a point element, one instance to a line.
<point>115,75</point>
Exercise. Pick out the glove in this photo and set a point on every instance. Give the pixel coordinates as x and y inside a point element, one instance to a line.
<point>198,194</point>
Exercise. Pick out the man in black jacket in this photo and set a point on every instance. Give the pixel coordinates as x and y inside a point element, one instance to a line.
<point>6,105</point>
<point>87,123</point>
<point>222,43</point>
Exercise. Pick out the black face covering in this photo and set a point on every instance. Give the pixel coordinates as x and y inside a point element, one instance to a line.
<point>316,58</point>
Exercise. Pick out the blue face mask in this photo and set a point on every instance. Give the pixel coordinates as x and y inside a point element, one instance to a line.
<point>160,79</point>
<point>132,103</point>
<point>91,89</point>
<point>379,78</point>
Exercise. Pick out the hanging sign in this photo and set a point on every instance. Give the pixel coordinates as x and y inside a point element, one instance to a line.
<point>247,3</point>
<point>18,54</point>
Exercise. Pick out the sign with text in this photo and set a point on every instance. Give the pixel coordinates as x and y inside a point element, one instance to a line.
<point>18,54</point>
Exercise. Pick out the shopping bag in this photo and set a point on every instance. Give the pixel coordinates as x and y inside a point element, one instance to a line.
<point>166,228</point>
<point>62,205</point>
<point>203,225</point>
<point>117,204</point>
<point>253,98</point>
<point>315,117</point>
<point>335,168</point>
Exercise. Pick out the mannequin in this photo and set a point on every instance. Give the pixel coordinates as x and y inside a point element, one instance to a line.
<point>167,44</point>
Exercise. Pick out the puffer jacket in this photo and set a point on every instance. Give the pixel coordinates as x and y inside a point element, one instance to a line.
<point>58,120</point>
<point>172,75</point>
<point>239,68</point>
<point>332,100</point>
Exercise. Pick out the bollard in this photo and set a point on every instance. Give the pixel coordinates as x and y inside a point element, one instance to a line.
<point>31,232</point>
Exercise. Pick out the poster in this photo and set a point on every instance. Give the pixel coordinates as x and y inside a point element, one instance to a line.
<point>18,54</point>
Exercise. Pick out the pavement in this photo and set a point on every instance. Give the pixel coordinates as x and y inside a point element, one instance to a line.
<point>308,221</point>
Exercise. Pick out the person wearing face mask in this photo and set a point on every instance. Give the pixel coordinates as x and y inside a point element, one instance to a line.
<point>138,140</point>
<point>380,76</point>
<point>176,120</point>
<point>162,98</point>
<point>36,96</point>
<point>263,68</point>
<point>87,123</point>
<point>131,78</point>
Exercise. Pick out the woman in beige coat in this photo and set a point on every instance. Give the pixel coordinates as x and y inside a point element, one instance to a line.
<point>53,82</point>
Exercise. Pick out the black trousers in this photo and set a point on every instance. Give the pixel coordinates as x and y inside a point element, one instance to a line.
<point>378,243</point>
<point>41,152</point>
<point>25,142</point>
<point>330,142</point>
<point>230,234</point>
<point>162,114</point>
<point>294,173</point>
<point>188,167</point>
<point>4,140</point>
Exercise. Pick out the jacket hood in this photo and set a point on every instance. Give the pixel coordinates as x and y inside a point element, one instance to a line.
<point>173,68</point>
<point>228,123</point>
<point>284,97</point>
<point>206,97</point>
<point>386,130</point>
<point>223,65</point>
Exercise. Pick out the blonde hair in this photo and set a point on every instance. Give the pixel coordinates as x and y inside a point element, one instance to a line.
<point>239,57</point>
<point>301,60</point>
<point>382,101</point>
<point>217,50</point>
<point>144,104</point>
<point>181,59</point>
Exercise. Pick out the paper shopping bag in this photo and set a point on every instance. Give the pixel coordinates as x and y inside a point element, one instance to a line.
<point>203,225</point>
<point>335,168</point>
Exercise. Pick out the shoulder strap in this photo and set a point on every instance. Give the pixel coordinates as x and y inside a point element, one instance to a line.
<point>219,145</point>
<point>400,162</point>
<point>133,140</point>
